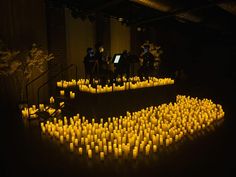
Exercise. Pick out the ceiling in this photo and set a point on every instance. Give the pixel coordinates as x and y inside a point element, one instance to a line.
<point>215,14</point>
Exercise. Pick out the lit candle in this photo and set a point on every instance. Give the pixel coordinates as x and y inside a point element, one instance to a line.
<point>80,150</point>
<point>105,149</point>
<point>72,95</point>
<point>109,148</point>
<point>135,154</point>
<point>71,146</point>
<point>96,149</point>
<point>51,100</point>
<point>147,149</point>
<point>102,155</point>
<point>116,152</point>
<point>41,107</point>
<point>61,139</point>
<point>154,148</point>
<point>62,92</point>
<point>120,152</point>
<point>90,153</point>
<point>76,141</point>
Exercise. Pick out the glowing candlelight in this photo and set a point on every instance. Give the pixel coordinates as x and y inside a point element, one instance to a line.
<point>90,153</point>
<point>61,139</point>
<point>62,92</point>
<point>51,100</point>
<point>72,95</point>
<point>102,155</point>
<point>80,150</point>
<point>71,146</point>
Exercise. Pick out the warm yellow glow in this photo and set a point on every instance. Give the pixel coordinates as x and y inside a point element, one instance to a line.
<point>62,92</point>
<point>144,131</point>
<point>132,83</point>
<point>72,95</point>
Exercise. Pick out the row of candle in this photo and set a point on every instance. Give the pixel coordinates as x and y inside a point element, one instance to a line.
<point>143,131</point>
<point>73,82</point>
<point>126,86</point>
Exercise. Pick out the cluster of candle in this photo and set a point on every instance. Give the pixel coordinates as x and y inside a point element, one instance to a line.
<point>29,112</point>
<point>72,83</point>
<point>141,132</point>
<point>152,82</point>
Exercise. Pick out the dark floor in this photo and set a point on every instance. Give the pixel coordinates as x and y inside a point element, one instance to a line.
<point>28,153</point>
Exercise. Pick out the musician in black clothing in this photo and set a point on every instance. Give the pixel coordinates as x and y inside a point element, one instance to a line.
<point>102,64</point>
<point>148,63</point>
<point>90,64</point>
<point>123,66</point>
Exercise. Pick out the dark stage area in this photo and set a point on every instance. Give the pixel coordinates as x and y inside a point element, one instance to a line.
<point>43,42</point>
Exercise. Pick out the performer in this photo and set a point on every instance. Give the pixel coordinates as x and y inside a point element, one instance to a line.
<point>123,67</point>
<point>147,65</point>
<point>90,64</point>
<point>102,63</point>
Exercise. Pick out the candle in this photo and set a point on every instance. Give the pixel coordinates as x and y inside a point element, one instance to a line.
<point>90,153</point>
<point>59,84</point>
<point>116,152</point>
<point>92,144</point>
<point>71,147</point>
<point>67,137</point>
<point>72,95</point>
<point>110,149</point>
<point>87,147</point>
<point>82,140</point>
<point>41,107</point>
<point>51,100</point>
<point>147,149</point>
<point>62,92</point>
<point>154,148</point>
<point>167,142</point>
<point>105,149</point>
<point>76,141</point>
<point>119,151</point>
<point>102,155</point>
<point>135,153</point>
<point>61,139</point>
<point>96,149</point>
<point>80,150</point>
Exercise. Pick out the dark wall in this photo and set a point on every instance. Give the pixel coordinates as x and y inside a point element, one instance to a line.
<point>22,23</point>
<point>202,53</point>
